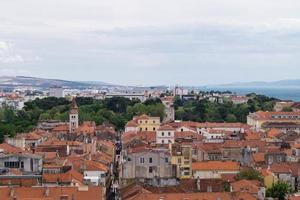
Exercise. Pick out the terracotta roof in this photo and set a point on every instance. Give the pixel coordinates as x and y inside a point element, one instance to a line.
<point>216,165</point>
<point>268,115</point>
<point>128,136</point>
<point>273,133</point>
<point>296,105</point>
<point>193,196</point>
<point>78,163</point>
<point>221,125</point>
<point>7,148</point>
<point>284,168</point>
<point>131,123</point>
<point>184,123</point>
<point>86,128</point>
<point>32,136</point>
<point>294,198</point>
<point>107,143</point>
<point>63,177</point>
<point>250,186</point>
<point>210,147</point>
<point>166,128</point>
<point>102,157</point>
<point>61,128</point>
<point>39,193</point>
<point>188,134</point>
<point>250,135</point>
<point>148,136</point>
<point>259,157</point>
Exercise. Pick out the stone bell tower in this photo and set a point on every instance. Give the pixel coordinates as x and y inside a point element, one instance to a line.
<point>73,116</point>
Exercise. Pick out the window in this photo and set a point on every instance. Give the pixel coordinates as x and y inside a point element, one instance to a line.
<point>162,134</point>
<point>146,121</point>
<point>209,189</point>
<point>146,129</point>
<point>162,141</point>
<point>142,160</point>
<point>179,160</point>
<point>141,129</point>
<point>279,159</point>
<point>11,164</point>
<point>153,122</point>
<point>153,128</point>
<point>150,169</point>
<point>270,160</point>
<point>186,173</point>
<point>169,141</point>
<point>22,165</point>
<point>182,130</point>
<point>150,160</point>
<point>169,134</point>
<point>166,160</point>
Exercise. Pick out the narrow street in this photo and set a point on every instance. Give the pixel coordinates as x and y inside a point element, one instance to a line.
<point>115,177</point>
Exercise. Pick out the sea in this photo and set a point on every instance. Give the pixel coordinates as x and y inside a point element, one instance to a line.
<point>284,93</point>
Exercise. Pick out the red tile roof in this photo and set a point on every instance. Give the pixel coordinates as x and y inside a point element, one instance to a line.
<point>67,177</point>
<point>250,186</point>
<point>216,165</point>
<point>7,148</point>
<point>166,128</point>
<point>54,193</point>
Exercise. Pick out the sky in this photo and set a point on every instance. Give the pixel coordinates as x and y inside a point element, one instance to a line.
<point>151,42</point>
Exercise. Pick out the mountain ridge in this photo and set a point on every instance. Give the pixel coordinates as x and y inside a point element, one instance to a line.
<point>14,81</point>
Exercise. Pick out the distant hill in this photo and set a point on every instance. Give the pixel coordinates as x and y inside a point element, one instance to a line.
<point>11,81</point>
<point>282,83</point>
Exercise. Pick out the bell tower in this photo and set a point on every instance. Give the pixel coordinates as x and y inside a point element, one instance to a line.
<point>73,116</point>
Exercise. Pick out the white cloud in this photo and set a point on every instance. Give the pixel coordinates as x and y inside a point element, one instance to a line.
<point>8,55</point>
<point>118,37</point>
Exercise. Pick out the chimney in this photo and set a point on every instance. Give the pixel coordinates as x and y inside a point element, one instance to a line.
<point>198,184</point>
<point>47,191</point>
<point>11,192</point>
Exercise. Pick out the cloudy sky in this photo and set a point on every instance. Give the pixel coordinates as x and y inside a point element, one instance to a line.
<point>151,42</point>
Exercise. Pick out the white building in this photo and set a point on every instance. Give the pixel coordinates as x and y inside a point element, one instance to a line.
<point>131,96</point>
<point>165,135</point>
<point>57,92</point>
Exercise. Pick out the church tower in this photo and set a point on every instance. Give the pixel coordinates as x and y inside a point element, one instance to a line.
<point>73,117</point>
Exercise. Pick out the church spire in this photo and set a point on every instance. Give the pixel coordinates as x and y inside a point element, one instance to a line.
<point>74,104</point>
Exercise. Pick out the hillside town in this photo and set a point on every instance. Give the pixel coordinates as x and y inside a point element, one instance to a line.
<point>153,157</point>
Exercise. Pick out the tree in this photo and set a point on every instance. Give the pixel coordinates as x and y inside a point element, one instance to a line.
<point>279,190</point>
<point>250,174</point>
<point>152,101</point>
<point>117,104</point>
<point>6,129</point>
<point>230,118</point>
<point>287,109</point>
